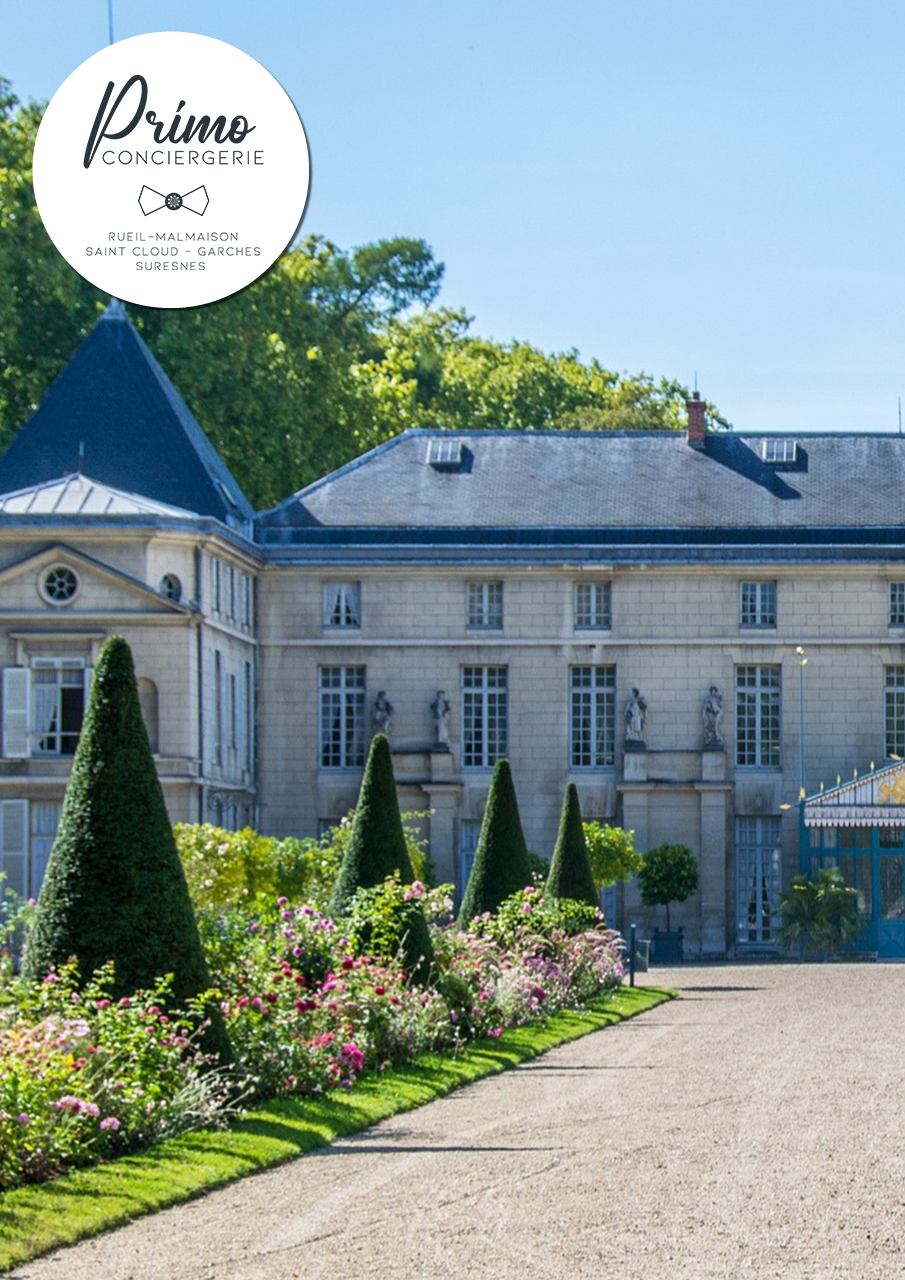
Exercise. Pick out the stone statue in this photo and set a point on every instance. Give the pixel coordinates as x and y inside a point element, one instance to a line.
<point>440,708</point>
<point>382,714</point>
<point>713,713</point>
<point>635,712</point>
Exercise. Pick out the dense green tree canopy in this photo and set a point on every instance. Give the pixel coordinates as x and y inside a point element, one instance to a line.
<point>329,353</point>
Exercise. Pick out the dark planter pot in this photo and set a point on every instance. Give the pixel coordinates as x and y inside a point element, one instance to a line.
<point>667,948</point>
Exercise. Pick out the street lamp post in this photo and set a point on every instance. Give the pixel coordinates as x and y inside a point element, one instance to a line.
<point>802,663</point>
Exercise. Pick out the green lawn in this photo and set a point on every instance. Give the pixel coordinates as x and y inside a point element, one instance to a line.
<point>34,1220</point>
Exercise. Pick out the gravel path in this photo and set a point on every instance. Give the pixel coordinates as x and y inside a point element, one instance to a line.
<point>755,1127</point>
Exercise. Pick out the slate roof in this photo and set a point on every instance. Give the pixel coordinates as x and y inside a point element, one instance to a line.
<point>114,405</point>
<point>609,481</point>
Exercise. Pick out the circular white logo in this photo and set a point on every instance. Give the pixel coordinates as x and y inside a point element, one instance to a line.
<point>171,169</point>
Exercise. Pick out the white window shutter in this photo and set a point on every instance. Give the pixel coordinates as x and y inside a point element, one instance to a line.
<point>242,725</point>
<point>89,676</point>
<point>14,845</point>
<point>16,689</point>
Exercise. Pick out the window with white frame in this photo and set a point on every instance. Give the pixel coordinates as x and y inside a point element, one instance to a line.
<point>484,716</point>
<point>469,835</point>
<point>757,716</point>
<point>342,604</point>
<point>897,604</point>
<point>484,606</point>
<point>592,717</point>
<point>28,829</point>
<point>592,606</point>
<point>758,604</point>
<point>780,451</point>
<point>758,878</point>
<point>44,706</point>
<point>895,711</point>
<point>342,717</point>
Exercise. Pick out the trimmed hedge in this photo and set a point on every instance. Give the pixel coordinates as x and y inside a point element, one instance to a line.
<point>570,868</point>
<point>376,848</point>
<point>501,865</point>
<point>114,888</point>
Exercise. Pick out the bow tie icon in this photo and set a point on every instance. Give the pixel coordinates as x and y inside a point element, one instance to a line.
<point>196,200</point>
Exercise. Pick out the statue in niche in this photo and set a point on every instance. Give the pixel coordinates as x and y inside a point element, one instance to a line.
<point>382,715</point>
<point>712,712</point>
<point>635,715</point>
<point>440,709</point>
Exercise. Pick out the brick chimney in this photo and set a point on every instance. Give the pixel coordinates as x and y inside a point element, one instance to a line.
<point>697,421</point>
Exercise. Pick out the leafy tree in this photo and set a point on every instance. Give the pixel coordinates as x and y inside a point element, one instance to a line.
<point>328,354</point>
<point>114,888</point>
<point>570,870</point>
<point>269,372</point>
<point>612,853</point>
<point>376,848</point>
<point>46,308</point>
<point>431,372</point>
<point>501,863</point>
<point>669,873</point>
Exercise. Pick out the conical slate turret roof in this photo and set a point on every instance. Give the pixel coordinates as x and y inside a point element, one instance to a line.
<point>114,413</point>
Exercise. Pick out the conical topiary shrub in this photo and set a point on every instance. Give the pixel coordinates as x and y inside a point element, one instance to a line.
<point>501,864</point>
<point>570,868</point>
<point>376,847</point>
<point>114,888</point>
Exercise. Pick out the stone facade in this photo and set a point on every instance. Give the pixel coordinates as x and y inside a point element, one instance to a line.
<point>539,583</point>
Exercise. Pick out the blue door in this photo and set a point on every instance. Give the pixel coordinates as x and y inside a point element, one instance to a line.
<point>890,900</point>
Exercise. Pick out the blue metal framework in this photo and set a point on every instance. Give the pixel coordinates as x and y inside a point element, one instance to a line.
<point>859,828</point>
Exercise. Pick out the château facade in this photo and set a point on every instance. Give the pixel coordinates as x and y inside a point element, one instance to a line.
<point>694,628</point>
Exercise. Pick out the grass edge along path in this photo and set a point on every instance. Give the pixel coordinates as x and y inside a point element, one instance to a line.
<point>37,1219</point>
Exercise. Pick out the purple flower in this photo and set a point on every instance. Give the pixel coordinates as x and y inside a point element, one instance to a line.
<point>110,1122</point>
<point>22,1118</point>
<point>354,1057</point>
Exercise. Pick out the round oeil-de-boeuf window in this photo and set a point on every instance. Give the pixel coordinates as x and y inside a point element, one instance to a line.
<point>58,585</point>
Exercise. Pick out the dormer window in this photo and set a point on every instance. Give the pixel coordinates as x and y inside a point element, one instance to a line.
<point>445,453</point>
<point>779,452</point>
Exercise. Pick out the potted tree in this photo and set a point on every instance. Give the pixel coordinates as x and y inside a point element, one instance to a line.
<point>669,873</point>
<point>819,916</point>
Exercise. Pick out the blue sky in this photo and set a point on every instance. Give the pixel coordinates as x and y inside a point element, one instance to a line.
<point>680,186</point>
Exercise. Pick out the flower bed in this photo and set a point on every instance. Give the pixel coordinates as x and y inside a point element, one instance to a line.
<point>83,1077</point>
